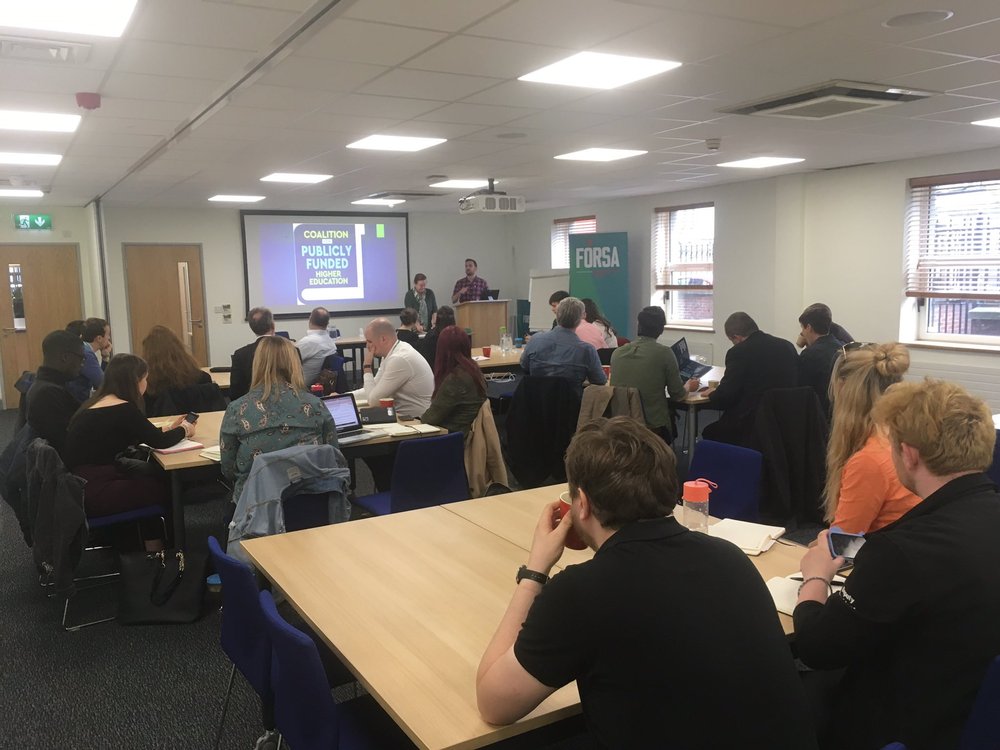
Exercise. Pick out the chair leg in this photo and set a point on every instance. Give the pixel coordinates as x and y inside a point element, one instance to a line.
<point>225,707</point>
<point>74,628</point>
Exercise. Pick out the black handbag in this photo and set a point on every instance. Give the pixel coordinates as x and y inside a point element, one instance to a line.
<point>161,587</point>
<point>137,461</point>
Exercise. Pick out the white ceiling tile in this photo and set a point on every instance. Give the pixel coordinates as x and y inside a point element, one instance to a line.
<point>982,90</point>
<point>124,125</point>
<point>144,109</point>
<point>476,114</point>
<point>209,24</point>
<point>279,97</point>
<point>292,5</point>
<point>979,40</point>
<point>689,37</point>
<point>624,101</point>
<point>262,118</point>
<point>418,84</point>
<point>390,107</point>
<point>950,77</point>
<point>346,125</point>
<point>48,79</point>
<point>560,120</point>
<point>777,12</point>
<point>965,115</point>
<point>158,88</point>
<point>185,61</point>
<point>350,40</point>
<point>424,129</point>
<point>97,136</point>
<point>572,24</point>
<point>528,94</point>
<point>867,23</point>
<point>487,57</point>
<point>322,75</point>
<point>445,15</point>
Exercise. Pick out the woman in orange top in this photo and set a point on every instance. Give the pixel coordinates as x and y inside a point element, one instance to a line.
<point>863,492</point>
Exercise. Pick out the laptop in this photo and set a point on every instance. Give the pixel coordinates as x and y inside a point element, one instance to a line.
<point>688,367</point>
<point>347,420</point>
<point>491,294</point>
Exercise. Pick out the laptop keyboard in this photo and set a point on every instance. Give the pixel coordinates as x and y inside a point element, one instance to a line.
<point>360,437</point>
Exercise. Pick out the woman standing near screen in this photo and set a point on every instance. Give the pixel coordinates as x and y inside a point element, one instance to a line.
<point>421,299</point>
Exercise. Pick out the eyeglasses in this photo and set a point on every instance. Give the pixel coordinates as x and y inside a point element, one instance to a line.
<point>858,345</point>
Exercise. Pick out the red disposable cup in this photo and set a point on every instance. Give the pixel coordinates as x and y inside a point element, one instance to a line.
<point>607,371</point>
<point>487,350</point>
<point>572,540</point>
<point>386,403</point>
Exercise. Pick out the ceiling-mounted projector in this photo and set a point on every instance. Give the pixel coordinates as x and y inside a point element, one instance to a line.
<point>491,201</point>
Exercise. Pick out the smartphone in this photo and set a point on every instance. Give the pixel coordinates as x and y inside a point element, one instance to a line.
<point>843,544</point>
<point>191,417</point>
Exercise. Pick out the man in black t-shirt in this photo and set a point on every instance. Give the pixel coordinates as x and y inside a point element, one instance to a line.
<point>671,635</point>
<point>50,404</point>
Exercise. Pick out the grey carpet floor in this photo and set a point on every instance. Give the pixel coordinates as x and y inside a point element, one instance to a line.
<point>109,686</point>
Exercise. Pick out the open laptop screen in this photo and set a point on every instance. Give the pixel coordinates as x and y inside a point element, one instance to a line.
<point>344,411</point>
<point>680,348</point>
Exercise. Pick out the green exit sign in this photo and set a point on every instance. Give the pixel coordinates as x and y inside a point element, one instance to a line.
<point>32,221</point>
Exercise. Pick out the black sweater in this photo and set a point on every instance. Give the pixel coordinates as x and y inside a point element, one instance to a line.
<point>51,407</point>
<point>96,436</point>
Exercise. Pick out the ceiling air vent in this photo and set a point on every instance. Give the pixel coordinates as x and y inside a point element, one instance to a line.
<point>830,99</point>
<point>43,50</point>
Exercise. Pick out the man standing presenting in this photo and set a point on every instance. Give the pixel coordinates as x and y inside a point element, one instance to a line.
<point>756,363</point>
<point>421,299</point>
<point>403,376</point>
<point>470,287</point>
<point>817,359</point>
<point>261,323</point>
<point>560,353</point>
<point>316,345</point>
<point>670,635</point>
<point>916,624</point>
<point>652,369</point>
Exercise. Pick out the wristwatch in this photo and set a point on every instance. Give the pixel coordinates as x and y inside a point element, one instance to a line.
<point>532,575</point>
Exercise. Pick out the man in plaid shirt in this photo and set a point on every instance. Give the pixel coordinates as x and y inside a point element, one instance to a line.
<point>470,287</point>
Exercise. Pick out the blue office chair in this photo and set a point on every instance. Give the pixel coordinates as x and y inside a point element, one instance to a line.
<point>895,746</point>
<point>994,470</point>
<point>304,711</point>
<point>982,730</point>
<point>244,636</point>
<point>428,471</point>
<point>737,471</point>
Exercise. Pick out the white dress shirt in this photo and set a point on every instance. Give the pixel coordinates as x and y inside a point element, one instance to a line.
<point>314,347</point>
<point>403,376</point>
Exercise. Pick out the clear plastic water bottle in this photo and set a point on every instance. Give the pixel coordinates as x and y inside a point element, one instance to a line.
<point>506,342</point>
<point>695,499</point>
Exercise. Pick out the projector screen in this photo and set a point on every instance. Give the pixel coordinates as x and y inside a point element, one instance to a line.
<point>348,263</point>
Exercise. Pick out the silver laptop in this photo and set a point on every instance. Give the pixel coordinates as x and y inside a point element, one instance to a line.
<point>344,411</point>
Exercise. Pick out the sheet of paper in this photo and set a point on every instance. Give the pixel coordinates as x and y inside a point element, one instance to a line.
<point>183,445</point>
<point>752,538</point>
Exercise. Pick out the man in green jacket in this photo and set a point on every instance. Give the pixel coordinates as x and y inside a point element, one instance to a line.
<point>421,299</point>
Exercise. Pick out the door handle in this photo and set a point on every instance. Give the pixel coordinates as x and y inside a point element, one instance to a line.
<point>10,330</point>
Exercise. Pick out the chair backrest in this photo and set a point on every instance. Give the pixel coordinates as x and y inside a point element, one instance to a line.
<point>198,398</point>
<point>306,511</point>
<point>244,635</point>
<point>429,471</point>
<point>304,711</point>
<point>982,730</point>
<point>335,363</point>
<point>605,355</point>
<point>737,472</point>
<point>622,341</point>
<point>994,470</point>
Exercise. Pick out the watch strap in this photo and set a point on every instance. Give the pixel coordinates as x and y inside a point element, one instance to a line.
<point>532,575</point>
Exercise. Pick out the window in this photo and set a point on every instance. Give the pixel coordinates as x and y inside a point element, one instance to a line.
<point>561,230</point>
<point>953,257</point>
<point>683,249</point>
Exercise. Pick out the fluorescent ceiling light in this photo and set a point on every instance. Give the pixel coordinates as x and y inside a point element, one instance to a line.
<point>761,162</point>
<point>105,18</point>
<point>378,202</point>
<point>38,121</point>
<point>396,143</point>
<point>237,198</point>
<point>596,70</point>
<point>298,177</point>
<point>463,184</point>
<point>37,160</point>
<point>992,123</point>
<point>601,154</point>
<point>20,193</point>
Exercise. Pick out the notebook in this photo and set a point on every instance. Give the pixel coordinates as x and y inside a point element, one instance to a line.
<point>785,591</point>
<point>752,538</point>
<point>688,367</point>
<point>344,411</point>
<point>183,445</point>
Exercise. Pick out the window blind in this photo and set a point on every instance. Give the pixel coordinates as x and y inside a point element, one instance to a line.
<point>683,247</point>
<point>953,240</point>
<point>561,230</point>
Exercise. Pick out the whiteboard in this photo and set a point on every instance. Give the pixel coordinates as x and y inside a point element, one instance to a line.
<point>541,286</point>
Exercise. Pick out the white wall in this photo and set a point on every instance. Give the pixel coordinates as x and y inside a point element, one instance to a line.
<point>781,243</point>
<point>438,245</point>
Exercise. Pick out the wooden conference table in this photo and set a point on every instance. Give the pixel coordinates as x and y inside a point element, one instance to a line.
<point>221,379</point>
<point>207,433</point>
<point>409,602</point>
<point>497,360</point>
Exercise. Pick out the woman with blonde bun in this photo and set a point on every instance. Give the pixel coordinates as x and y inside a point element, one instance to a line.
<point>863,492</point>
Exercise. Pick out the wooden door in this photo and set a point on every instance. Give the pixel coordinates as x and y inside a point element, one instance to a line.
<point>43,282</point>
<point>165,287</point>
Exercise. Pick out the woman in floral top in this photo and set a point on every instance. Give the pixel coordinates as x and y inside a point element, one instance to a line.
<point>277,413</point>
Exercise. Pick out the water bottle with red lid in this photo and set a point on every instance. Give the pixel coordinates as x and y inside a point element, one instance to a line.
<point>695,500</point>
